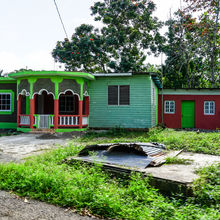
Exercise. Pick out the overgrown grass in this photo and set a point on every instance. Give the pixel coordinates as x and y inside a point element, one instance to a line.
<point>208,143</point>
<point>45,178</point>
<point>207,187</point>
<point>177,160</point>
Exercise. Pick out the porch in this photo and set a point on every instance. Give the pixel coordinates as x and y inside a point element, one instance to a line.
<point>52,100</point>
<point>66,112</point>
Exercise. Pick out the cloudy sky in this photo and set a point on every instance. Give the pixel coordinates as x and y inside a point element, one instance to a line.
<point>29,29</point>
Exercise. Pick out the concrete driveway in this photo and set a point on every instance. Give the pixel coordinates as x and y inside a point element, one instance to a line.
<point>16,147</point>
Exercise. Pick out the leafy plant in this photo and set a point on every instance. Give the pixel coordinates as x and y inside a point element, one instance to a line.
<point>207,187</point>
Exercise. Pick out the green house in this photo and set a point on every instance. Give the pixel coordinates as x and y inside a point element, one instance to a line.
<point>8,103</point>
<point>127,100</point>
<point>54,100</point>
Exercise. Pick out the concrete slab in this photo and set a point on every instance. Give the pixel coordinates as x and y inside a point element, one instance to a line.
<point>173,178</point>
<point>16,147</point>
<point>185,174</point>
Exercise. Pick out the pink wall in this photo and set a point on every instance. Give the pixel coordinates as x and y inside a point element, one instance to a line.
<point>201,121</point>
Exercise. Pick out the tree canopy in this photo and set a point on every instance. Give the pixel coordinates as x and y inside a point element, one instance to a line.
<point>193,46</point>
<point>128,35</point>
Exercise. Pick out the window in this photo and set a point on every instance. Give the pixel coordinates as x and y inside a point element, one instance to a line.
<point>119,95</point>
<point>169,107</point>
<point>5,102</point>
<point>209,108</point>
<point>67,103</point>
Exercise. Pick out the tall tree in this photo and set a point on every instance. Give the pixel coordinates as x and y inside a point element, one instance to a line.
<point>182,66</point>
<point>128,35</point>
<point>208,14</point>
<point>192,50</point>
<point>130,30</point>
<point>85,51</point>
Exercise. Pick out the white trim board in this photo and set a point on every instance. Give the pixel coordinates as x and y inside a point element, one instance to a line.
<point>190,92</point>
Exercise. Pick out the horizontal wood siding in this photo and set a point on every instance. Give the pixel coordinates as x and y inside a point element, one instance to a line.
<point>135,115</point>
<point>154,102</point>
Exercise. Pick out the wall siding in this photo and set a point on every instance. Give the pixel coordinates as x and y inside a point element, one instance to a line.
<point>135,115</point>
<point>154,104</point>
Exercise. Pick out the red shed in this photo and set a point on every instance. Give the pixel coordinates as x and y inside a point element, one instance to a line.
<point>189,108</point>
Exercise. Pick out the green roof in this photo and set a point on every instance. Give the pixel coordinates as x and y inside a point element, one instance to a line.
<point>7,79</point>
<point>26,74</point>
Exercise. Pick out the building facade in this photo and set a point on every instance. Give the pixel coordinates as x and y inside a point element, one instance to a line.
<point>190,108</point>
<point>127,100</point>
<point>68,101</point>
<point>46,100</point>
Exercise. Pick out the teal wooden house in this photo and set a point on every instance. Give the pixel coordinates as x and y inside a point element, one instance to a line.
<point>127,100</point>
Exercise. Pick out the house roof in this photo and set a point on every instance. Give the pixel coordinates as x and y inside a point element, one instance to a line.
<point>24,74</point>
<point>7,80</point>
<point>154,76</point>
<point>191,91</point>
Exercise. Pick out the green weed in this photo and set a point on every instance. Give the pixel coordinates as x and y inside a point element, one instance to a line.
<point>177,160</point>
<point>207,187</point>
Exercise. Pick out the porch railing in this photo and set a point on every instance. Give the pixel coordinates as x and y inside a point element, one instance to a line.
<point>85,120</point>
<point>68,120</point>
<point>52,120</point>
<point>24,119</point>
<point>63,121</point>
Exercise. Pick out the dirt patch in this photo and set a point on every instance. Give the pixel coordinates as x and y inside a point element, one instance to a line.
<point>64,135</point>
<point>13,207</point>
<point>15,148</point>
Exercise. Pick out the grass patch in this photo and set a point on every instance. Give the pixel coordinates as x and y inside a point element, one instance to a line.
<point>207,187</point>
<point>208,143</point>
<point>89,188</point>
<point>176,160</point>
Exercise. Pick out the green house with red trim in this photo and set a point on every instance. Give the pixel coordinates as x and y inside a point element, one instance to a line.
<point>8,103</point>
<point>45,100</point>
<point>68,101</point>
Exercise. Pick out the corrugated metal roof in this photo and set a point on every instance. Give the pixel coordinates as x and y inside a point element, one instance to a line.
<point>138,155</point>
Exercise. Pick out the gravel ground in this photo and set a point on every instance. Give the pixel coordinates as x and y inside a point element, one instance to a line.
<point>14,148</point>
<point>13,207</point>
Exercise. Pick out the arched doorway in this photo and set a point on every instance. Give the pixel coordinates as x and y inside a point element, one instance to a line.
<point>23,109</point>
<point>44,103</point>
<point>68,109</point>
<point>44,110</point>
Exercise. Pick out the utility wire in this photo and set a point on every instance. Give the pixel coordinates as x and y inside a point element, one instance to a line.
<point>60,18</point>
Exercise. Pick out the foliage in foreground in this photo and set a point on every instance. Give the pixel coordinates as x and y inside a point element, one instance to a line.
<point>207,187</point>
<point>45,178</point>
<point>208,143</point>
